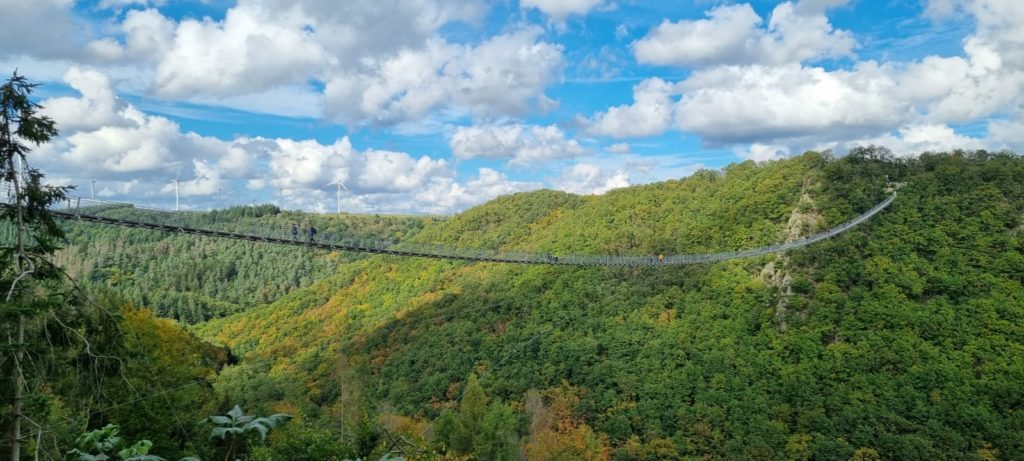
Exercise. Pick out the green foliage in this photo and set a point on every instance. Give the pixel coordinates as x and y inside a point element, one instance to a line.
<point>236,427</point>
<point>446,431</point>
<point>105,443</point>
<point>482,431</point>
<point>303,442</point>
<point>472,409</point>
<point>236,423</point>
<point>30,284</point>
<point>366,436</point>
<point>96,444</point>
<point>106,361</point>
<point>192,280</point>
<point>903,335</point>
<point>497,439</point>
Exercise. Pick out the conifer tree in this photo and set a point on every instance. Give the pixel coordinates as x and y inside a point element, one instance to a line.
<point>472,409</point>
<point>26,274</point>
<point>497,438</point>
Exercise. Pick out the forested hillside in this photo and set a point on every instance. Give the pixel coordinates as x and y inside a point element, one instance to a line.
<point>902,339</point>
<point>192,279</point>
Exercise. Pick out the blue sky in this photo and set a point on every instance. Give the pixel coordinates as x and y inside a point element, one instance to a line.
<point>431,106</point>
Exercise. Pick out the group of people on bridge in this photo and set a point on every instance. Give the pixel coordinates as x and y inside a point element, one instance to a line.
<point>310,233</point>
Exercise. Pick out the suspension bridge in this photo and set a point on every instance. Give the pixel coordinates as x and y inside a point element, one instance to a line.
<point>198,223</point>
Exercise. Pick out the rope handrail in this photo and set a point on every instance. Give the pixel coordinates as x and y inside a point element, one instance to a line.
<point>196,223</point>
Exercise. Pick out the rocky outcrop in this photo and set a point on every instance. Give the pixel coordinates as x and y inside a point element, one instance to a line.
<point>804,220</point>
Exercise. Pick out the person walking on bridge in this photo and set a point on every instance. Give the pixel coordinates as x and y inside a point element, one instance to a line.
<point>295,232</point>
<point>312,234</point>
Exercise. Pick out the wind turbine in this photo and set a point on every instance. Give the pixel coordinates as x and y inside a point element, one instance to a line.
<point>341,186</point>
<point>92,189</point>
<point>280,198</point>
<point>176,182</point>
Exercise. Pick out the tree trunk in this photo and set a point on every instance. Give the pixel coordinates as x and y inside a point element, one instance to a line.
<point>19,375</point>
<point>19,384</point>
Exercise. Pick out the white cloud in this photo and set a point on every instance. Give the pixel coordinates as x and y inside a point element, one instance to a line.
<point>621,31</point>
<point>769,104</point>
<point>618,148</point>
<point>521,144</point>
<point>650,113</point>
<point>358,62</point>
<point>380,61</point>
<point>762,103</point>
<point>589,179</point>
<point>916,139</point>
<point>133,155</point>
<point>505,75</point>
<point>1007,133</point>
<point>206,181</point>
<point>397,171</point>
<point>97,106</point>
<point>149,35</point>
<point>447,195</point>
<point>105,137</point>
<point>117,4</point>
<point>558,10</point>
<point>722,36</point>
<point>732,34</point>
<point>354,31</point>
<point>40,28</point>
<point>763,152</point>
<point>251,50</point>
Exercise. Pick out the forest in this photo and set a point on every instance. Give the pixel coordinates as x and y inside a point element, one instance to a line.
<point>901,339</point>
<point>192,280</point>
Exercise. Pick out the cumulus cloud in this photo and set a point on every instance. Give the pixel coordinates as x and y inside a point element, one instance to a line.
<point>558,10</point>
<point>750,86</point>
<point>733,104</point>
<point>1007,133</point>
<point>97,106</point>
<point>650,113</point>
<point>123,3</point>
<point>446,195</point>
<point>252,49</point>
<point>377,61</point>
<point>106,137</point>
<point>356,30</point>
<point>763,152</point>
<point>133,155</point>
<point>915,139</point>
<point>521,144</point>
<point>148,35</point>
<point>618,148</point>
<point>41,28</point>
<point>505,75</point>
<point>733,34</point>
<point>590,179</point>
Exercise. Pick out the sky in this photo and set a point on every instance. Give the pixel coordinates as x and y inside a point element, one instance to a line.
<point>434,106</point>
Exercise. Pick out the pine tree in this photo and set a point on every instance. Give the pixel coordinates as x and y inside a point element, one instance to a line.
<point>472,409</point>
<point>497,438</point>
<point>25,268</point>
<point>446,430</point>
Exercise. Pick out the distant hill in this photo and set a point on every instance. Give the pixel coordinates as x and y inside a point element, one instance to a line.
<point>195,279</point>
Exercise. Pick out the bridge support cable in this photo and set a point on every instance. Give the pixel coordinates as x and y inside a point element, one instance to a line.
<point>200,223</point>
